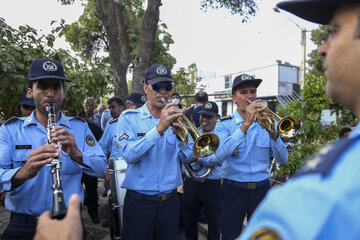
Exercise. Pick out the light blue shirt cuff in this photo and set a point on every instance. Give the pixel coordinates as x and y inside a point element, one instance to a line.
<point>153,135</point>
<point>6,179</point>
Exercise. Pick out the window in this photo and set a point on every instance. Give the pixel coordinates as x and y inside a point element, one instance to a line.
<point>227,81</point>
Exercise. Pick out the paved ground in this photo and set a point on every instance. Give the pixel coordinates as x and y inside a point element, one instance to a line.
<point>95,231</point>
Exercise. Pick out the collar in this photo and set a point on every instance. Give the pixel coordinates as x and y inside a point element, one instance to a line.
<point>63,120</point>
<point>144,112</point>
<point>355,132</point>
<point>237,118</point>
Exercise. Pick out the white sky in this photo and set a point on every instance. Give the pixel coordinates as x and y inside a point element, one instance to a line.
<point>216,41</point>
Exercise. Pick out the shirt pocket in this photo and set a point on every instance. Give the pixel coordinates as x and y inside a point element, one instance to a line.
<point>20,157</point>
<point>263,143</point>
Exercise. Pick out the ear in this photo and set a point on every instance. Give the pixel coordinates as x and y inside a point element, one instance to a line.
<point>146,86</point>
<point>233,99</point>
<point>29,93</point>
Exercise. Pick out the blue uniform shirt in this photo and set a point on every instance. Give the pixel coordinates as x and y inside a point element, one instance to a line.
<point>107,141</point>
<point>105,117</point>
<point>153,159</point>
<point>18,138</point>
<point>313,206</point>
<point>249,158</point>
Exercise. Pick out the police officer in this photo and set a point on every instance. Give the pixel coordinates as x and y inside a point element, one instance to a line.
<point>135,100</point>
<point>153,154</point>
<point>26,105</point>
<point>206,191</point>
<point>24,156</point>
<point>322,200</point>
<point>246,171</point>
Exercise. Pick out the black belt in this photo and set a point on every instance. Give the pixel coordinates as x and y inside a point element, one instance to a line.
<point>203,180</point>
<point>23,218</point>
<point>157,197</point>
<point>247,185</point>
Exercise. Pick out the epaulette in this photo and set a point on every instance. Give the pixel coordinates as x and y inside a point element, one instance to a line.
<point>113,120</point>
<point>130,111</point>
<point>10,120</point>
<point>78,118</point>
<point>226,118</point>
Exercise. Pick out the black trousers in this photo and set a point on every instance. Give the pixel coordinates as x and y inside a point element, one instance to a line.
<point>23,227</point>
<point>206,194</point>
<point>151,219</point>
<point>91,195</point>
<point>237,200</point>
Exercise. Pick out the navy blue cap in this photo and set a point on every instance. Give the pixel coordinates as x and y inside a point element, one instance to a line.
<point>137,98</point>
<point>245,79</point>
<point>317,11</point>
<point>209,108</point>
<point>158,73</point>
<point>24,100</point>
<point>46,69</point>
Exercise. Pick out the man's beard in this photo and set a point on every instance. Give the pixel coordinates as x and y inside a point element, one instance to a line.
<point>42,109</point>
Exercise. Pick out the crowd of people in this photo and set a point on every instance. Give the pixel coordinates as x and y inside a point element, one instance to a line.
<point>147,132</point>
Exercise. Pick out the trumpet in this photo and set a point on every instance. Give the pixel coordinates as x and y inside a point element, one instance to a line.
<point>287,127</point>
<point>204,145</point>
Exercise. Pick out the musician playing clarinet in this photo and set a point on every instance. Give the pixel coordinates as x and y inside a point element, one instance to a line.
<point>38,163</point>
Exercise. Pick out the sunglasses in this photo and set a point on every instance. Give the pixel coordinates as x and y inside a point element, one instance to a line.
<point>158,86</point>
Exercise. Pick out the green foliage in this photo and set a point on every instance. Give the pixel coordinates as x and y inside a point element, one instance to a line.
<point>313,134</point>
<point>20,47</point>
<point>186,82</point>
<point>245,8</point>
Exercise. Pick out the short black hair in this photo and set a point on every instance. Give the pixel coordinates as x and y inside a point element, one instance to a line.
<point>201,96</point>
<point>118,101</point>
<point>175,93</point>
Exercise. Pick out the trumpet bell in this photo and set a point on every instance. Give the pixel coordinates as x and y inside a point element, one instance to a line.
<point>289,126</point>
<point>206,144</point>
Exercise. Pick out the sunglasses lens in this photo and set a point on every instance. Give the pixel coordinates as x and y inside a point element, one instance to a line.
<point>168,87</point>
<point>156,87</point>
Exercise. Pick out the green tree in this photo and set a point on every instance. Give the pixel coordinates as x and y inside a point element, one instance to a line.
<point>309,108</point>
<point>20,47</point>
<point>186,82</point>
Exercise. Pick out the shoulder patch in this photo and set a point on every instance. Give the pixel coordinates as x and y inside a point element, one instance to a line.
<point>226,118</point>
<point>113,120</point>
<point>265,234</point>
<point>78,118</point>
<point>11,120</point>
<point>90,140</point>
<point>127,111</point>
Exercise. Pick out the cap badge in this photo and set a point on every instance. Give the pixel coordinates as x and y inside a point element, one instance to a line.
<point>143,99</point>
<point>208,106</point>
<point>246,77</point>
<point>161,70</point>
<point>49,66</point>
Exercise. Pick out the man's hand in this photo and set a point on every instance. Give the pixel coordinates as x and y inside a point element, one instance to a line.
<point>69,228</point>
<point>168,114</point>
<point>270,128</point>
<point>107,175</point>
<point>37,159</point>
<point>68,143</point>
<point>251,110</point>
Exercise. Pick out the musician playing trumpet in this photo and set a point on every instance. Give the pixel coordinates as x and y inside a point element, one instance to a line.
<point>25,169</point>
<point>153,153</point>
<point>204,191</point>
<point>245,171</point>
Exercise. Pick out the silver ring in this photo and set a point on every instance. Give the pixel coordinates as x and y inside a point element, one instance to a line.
<point>170,112</point>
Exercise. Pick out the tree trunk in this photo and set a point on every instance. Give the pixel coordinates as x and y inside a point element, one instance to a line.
<point>146,44</point>
<point>111,14</point>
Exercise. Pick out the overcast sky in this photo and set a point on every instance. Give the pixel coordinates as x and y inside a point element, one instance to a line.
<point>216,41</point>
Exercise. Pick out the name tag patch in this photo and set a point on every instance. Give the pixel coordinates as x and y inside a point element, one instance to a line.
<point>141,134</point>
<point>23,146</point>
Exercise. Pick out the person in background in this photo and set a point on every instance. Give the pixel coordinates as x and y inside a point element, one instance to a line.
<point>100,109</point>
<point>135,100</point>
<point>321,201</point>
<point>204,192</point>
<point>175,97</point>
<point>105,118</point>
<point>26,105</point>
<point>89,106</point>
<point>245,171</point>
<point>192,113</point>
<point>24,155</point>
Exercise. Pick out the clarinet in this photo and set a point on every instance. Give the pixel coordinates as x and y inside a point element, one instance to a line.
<point>59,208</point>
